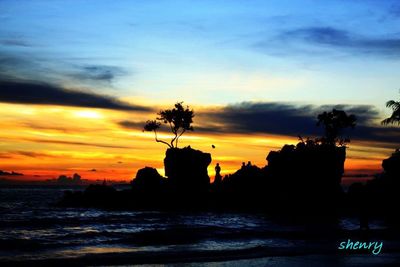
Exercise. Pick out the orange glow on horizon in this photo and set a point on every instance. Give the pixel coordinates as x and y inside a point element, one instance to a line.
<point>44,142</point>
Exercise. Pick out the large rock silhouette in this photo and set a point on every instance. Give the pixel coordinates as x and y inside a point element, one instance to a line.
<point>386,186</point>
<point>186,169</point>
<point>148,180</point>
<point>383,191</point>
<point>249,180</point>
<point>307,172</point>
<point>391,166</point>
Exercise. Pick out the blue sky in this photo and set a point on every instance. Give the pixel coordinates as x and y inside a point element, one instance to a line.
<point>208,52</point>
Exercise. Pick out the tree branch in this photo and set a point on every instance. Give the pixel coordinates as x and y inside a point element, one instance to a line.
<point>174,132</point>
<point>179,136</point>
<point>161,141</point>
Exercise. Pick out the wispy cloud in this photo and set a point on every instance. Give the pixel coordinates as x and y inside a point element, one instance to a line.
<point>5,155</point>
<point>11,64</point>
<point>310,39</point>
<point>31,154</point>
<point>97,73</point>
<point>27,65</point>
<point>63,129</point>
<point>46,94</point>
<point>14,42</point>
<point>61,142</point>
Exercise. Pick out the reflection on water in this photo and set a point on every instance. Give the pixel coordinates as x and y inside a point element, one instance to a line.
<point>30,227</point>
<point>96,250</point>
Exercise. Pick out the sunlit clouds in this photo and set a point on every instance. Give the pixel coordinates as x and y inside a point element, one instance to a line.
<point>45,141</point>
<point>88,114</point>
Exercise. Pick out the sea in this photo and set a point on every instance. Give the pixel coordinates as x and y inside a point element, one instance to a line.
<point>33,228</point>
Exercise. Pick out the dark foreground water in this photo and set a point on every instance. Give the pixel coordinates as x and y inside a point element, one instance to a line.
<point>32,228</point>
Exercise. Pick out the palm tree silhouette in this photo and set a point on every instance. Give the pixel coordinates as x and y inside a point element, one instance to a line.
<point>395,117</point>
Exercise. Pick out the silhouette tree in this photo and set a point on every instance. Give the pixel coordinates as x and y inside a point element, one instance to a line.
<point>395,117</point>
<point>179,120</point>
<point>334,122</point>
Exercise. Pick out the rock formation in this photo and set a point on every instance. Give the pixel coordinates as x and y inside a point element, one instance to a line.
<point>309,171</point>
<point>186,169</point>
<point>148,180</point>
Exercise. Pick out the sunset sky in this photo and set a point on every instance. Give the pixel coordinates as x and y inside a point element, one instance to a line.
<point>78,79</point>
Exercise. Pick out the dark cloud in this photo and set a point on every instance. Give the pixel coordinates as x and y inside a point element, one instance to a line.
<point>366,114</point>
<point>46,94</point>
<point>132,124</point>
<point>322,40</point>
<point>378,134</point>
<point>292,120</point>
<point>345,40</point>
<point>278,117</point>
<point>250,117</point>
<point>321,35</point>
<point>98,73</point>
<point>10,173</point>
<point>30,66</point>
<point>30,154</point>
